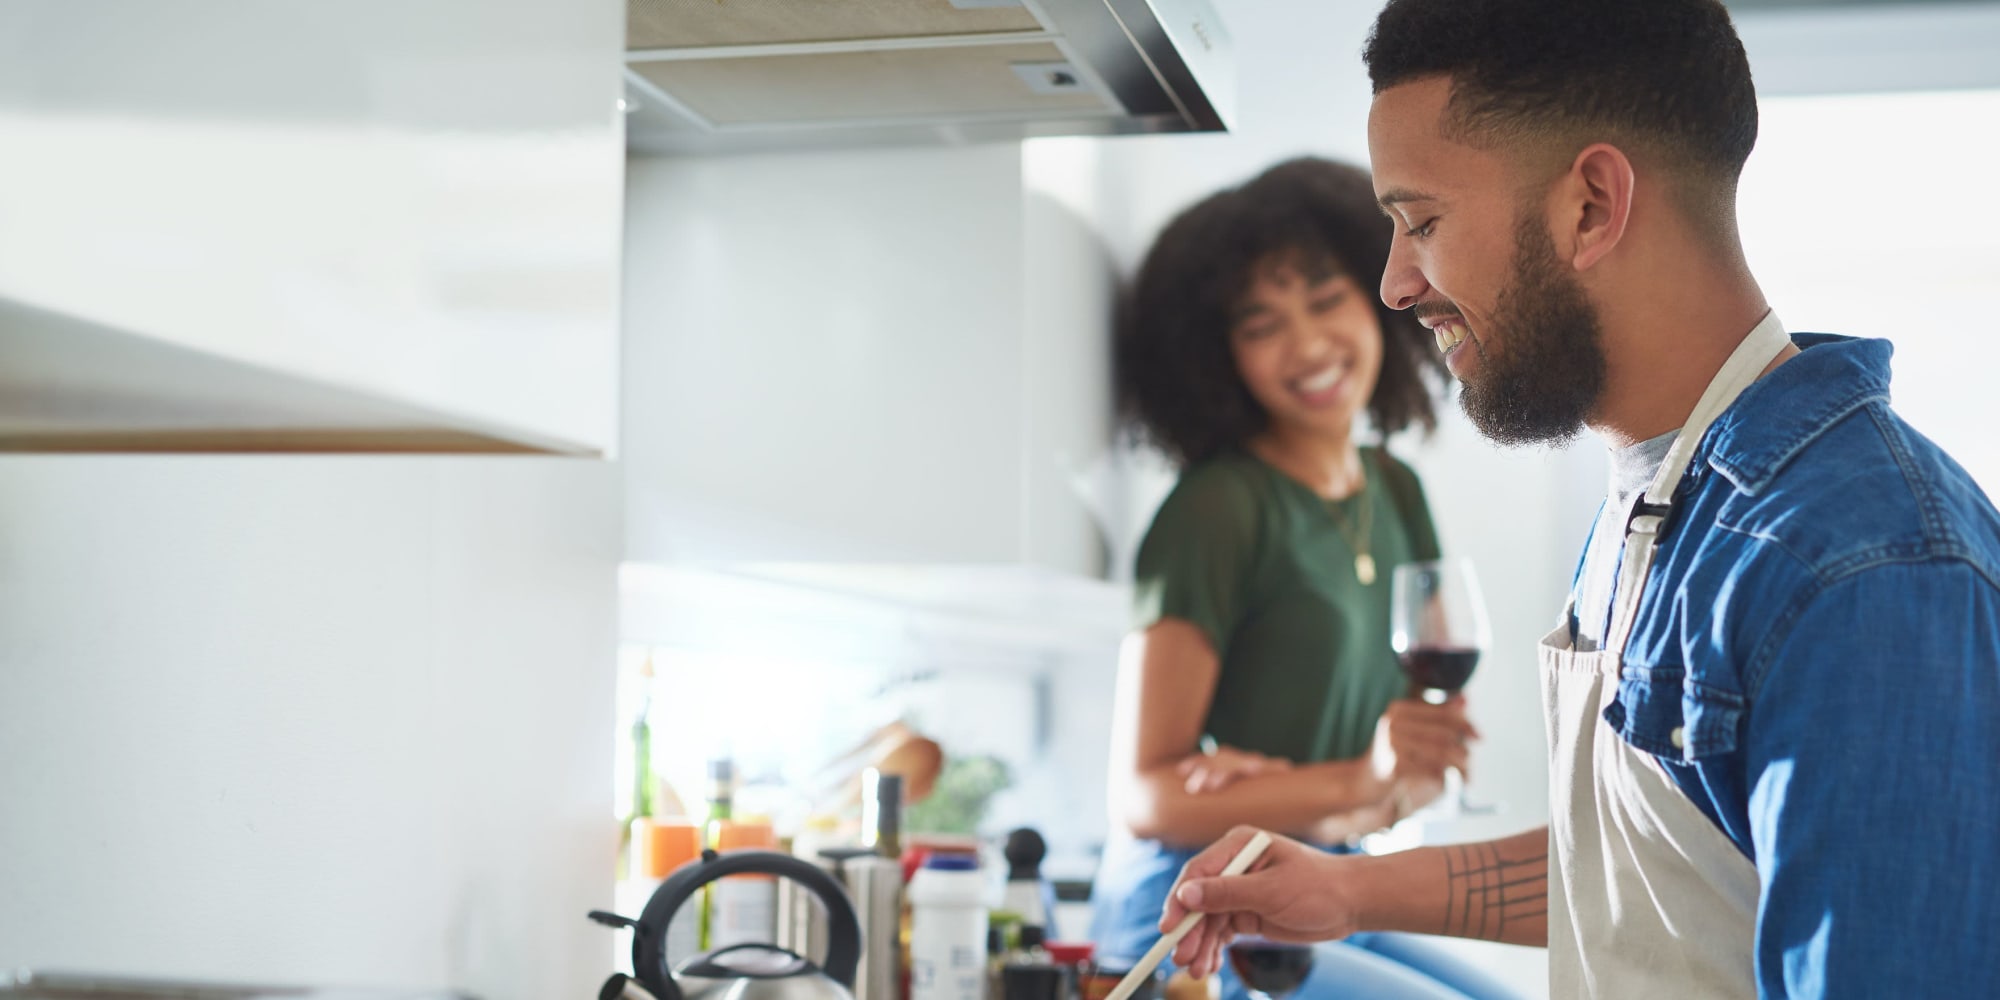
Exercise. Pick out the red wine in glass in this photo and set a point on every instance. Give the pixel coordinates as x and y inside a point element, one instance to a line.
<point>1270,969</point>
<point>1439,668</point>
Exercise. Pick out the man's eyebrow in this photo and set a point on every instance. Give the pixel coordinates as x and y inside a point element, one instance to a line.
<point>1395,196</point>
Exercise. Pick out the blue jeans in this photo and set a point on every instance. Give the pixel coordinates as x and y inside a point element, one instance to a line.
<point>1132,885</point>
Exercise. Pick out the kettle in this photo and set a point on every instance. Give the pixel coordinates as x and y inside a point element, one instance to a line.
<point>752,970</point>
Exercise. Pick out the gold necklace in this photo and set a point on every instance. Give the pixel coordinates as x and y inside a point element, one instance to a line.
<point>1361,539</point>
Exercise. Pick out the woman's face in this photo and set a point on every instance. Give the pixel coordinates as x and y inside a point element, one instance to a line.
<point>1309,348</point>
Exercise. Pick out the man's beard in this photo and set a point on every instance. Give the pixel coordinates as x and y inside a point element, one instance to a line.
<point>1547,369</point>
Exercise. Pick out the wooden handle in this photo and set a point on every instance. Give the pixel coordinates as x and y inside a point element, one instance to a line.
<point>1165,945</point>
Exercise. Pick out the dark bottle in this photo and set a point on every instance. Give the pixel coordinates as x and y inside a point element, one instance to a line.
<point>1031,949</point>
<point>1034,981</point>
<point>882,812</point>
<point>721,791</point>
<point>996,959</point>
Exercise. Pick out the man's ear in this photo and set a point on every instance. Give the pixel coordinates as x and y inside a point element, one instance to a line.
<point>1599,189</point>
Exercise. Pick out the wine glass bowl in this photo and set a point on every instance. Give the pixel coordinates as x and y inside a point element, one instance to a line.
<point>1437,620</point>
<point>1438,628</point>
<point>1443,669</point>
<point>1270,970</point>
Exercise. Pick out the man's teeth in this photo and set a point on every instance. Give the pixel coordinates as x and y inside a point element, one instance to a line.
<point>1324,380</point>
<point>1450,335</point>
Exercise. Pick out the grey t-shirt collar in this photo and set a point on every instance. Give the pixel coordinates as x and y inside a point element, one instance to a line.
<point>1632,470</point>
<point>1634,466</point>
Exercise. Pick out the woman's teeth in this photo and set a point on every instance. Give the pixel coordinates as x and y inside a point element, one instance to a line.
<point>1323,381</point>
<point>1450,334</point>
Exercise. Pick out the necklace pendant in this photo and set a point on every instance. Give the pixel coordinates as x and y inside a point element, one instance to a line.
<point>1364,569</point>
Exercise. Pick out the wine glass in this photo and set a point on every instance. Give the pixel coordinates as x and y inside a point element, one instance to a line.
<point>1271,970</point>
<point>1437,621</point>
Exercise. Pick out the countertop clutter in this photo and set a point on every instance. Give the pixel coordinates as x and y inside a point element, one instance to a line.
<point>27,985</point>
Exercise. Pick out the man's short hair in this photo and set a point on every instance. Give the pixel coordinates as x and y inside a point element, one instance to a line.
<point>1665,80</point>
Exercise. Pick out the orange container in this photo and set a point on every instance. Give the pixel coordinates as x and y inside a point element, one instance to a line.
<point>670,843</point>
<point>733,835</point>
<point>743,908</point>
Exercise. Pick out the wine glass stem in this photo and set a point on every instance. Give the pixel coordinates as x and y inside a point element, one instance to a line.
<point>1469,806</point>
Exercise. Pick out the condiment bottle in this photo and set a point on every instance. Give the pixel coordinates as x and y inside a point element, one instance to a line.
<point>743,908</point>
<point>1027,893</point>
<point>947,929</point>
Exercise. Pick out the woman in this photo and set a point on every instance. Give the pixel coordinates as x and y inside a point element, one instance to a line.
<point>1259,686</point>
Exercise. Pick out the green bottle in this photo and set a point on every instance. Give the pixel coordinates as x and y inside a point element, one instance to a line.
<point>642,747</point>
<point>642,772</point>
<point>721,796</point>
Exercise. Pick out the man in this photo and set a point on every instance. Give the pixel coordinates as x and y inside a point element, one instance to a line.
<point>1774,700</point>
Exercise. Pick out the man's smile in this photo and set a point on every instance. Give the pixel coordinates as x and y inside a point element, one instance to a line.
<point>1450,331</point>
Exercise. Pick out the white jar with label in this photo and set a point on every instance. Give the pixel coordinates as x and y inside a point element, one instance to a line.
<point>948,929</point>
<point>743,909</point>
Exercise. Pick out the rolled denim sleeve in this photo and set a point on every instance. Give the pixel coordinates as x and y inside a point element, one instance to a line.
<point>1873,762</point>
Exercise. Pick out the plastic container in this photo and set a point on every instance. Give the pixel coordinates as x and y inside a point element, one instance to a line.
<point>1075,954</point>
<point>948,929</point>
<point>669,845</point>
<point>743,908</point>
<point>659,846</point>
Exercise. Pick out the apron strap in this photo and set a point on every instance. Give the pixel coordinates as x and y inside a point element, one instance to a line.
<point>1648,521</point>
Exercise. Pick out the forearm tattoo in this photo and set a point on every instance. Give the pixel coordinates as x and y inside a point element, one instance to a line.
<point>1488,891</point>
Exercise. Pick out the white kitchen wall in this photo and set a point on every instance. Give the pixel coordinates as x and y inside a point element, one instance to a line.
<point>308,720</point>
<point>823,356</point>
<point>898,358</point>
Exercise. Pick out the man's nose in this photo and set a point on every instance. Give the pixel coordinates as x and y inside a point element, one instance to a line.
<point>1403,284</point>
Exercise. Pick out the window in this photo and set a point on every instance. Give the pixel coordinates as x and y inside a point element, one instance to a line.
<point>1876,215</point>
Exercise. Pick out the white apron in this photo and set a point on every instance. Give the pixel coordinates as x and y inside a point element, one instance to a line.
<point>1647,897</point>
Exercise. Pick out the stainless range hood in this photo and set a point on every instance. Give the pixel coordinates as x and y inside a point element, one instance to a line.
<point>716,76</point>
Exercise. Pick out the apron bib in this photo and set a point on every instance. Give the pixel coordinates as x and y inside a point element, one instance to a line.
<point>1647,897</point>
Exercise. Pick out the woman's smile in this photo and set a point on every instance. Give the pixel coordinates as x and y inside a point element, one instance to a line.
<point>1325,387</point>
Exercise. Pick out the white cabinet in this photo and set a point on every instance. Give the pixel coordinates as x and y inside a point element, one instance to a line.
<point>295,225</point>
<point>890,356</point>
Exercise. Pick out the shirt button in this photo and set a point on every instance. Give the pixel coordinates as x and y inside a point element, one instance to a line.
<point>1679,738</point>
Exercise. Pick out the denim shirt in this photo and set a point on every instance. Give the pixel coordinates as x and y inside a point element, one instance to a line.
<point>1816,663</point>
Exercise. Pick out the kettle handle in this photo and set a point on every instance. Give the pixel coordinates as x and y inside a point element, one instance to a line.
<point>649,937</point>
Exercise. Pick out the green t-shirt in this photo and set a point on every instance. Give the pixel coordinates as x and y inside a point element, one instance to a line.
<point>1258,562</point>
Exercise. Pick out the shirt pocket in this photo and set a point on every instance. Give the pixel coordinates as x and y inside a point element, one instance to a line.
<point>1659,710</point>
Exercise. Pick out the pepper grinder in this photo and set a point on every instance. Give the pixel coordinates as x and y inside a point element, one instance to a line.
<point>1027,893</point>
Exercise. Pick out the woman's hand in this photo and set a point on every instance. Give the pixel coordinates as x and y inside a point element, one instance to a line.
<point>1212,772</point>
<point>1416,742</point>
